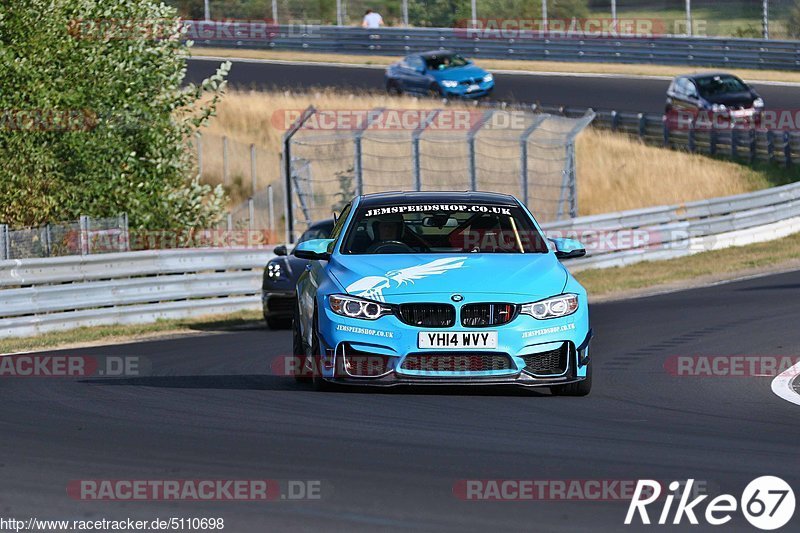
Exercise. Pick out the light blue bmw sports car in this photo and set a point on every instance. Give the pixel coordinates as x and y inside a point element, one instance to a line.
<point>445,288</point>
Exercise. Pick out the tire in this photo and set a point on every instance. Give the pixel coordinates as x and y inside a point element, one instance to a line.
<point>316,352</point>
<point>278,323</point>
<point>435,91</point>
<point>299,351</point>
<point>393,88</point>
<point>580,388</point>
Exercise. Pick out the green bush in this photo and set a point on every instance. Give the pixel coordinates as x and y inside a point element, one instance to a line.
<point>94,119</point>
<point>793,21</point>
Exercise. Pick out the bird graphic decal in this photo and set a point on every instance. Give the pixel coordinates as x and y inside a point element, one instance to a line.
<point>372,287</point>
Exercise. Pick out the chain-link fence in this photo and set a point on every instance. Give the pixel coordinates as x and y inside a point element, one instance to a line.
<point>242,169</point>
<point>736,18</point>
<point>530,155</point>
<point>82,237</point>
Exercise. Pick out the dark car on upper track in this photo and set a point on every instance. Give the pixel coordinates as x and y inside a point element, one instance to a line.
<point>441,74</point>
<point>278,289</point>
<point>717,93</point>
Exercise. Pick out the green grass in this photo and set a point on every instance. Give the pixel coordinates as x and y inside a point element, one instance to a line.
<point>724,21</point>
<point>115,334</point>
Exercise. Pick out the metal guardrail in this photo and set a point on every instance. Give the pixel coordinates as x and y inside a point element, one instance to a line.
<point>747,144</point>
<point>667,50</point>
<point>751,144</point>
<point>47,294</point>
<point>665,232</point>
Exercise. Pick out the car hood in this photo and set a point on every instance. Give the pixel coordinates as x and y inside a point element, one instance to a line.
<point>467,72</point>
<point>733,99</point>
<point>393,277</point>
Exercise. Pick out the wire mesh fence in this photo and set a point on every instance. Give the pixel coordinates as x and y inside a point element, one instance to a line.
<point>718,18</point>
<point>82,237</point>
<point>530,155</point>
<point>241,168</point>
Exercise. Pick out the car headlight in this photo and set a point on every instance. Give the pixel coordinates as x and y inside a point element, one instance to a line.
<point>353,307</point>
<point>488,78</point>
<point>718,107</point>
<point>450,84</point>
<point>758,102</point>
<point>555,307</point>
<point>274,270</point>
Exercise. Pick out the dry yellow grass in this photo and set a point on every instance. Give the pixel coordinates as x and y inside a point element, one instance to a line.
<point>615,172</point>
<point>500,64</point>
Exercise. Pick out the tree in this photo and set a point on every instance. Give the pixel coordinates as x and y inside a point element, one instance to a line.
<point>93,116</point>
<point>793,20</point>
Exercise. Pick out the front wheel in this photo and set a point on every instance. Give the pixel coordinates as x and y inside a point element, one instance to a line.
<point>299,352</point>
<point>316,355</point>
<point>278,323</point>
<point>580,388</point>
<point>393,88</point>
<point>435,91</point>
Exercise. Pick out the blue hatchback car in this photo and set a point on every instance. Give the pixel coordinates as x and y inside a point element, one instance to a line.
<point>441,74</point>
<point>441,288</point>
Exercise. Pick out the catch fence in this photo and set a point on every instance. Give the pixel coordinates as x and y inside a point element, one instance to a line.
<point>513,151</point>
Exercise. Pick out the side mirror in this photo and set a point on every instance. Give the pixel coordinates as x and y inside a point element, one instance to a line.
<point>280,250</point>
<point>568,248</point>
<point>315,250</point>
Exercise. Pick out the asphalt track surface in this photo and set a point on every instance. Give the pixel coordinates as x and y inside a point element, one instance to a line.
<point>606,93</point>
<point>389,461</point>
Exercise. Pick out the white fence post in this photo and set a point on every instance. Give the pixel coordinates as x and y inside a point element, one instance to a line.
<point>253,174</point>
<point>271,209</point>
<point>225,160</point>
<point>5,243</point>
<point>199,154</point>
<point>125,237</point>
<point>84,232</point>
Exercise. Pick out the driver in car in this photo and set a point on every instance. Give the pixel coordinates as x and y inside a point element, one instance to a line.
<point>389,230</point>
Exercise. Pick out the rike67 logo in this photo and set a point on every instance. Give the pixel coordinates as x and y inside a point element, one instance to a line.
<point>767,503</point>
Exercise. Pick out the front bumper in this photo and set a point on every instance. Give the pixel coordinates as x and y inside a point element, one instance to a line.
<point>380,353</point>
<point>462,91</point>
<point>278,303</point>
<point>575,373</point>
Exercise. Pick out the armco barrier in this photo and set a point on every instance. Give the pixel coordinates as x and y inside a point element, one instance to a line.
<point>745,144</point>
<point>665,232</point>
<point>40,295</point>
<point>698,51</point>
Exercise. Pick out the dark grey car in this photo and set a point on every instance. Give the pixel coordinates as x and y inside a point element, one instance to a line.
<point>715,93</point>
<point>278,295</point>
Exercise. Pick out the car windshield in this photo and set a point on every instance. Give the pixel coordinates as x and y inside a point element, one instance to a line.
<point>717,85</point>
<point>444,62</point>
<point>460,228</point>
<point>322,231</point>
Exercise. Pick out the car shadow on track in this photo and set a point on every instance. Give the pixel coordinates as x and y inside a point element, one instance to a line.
<point>288,384</point>
<point>233,382</point>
